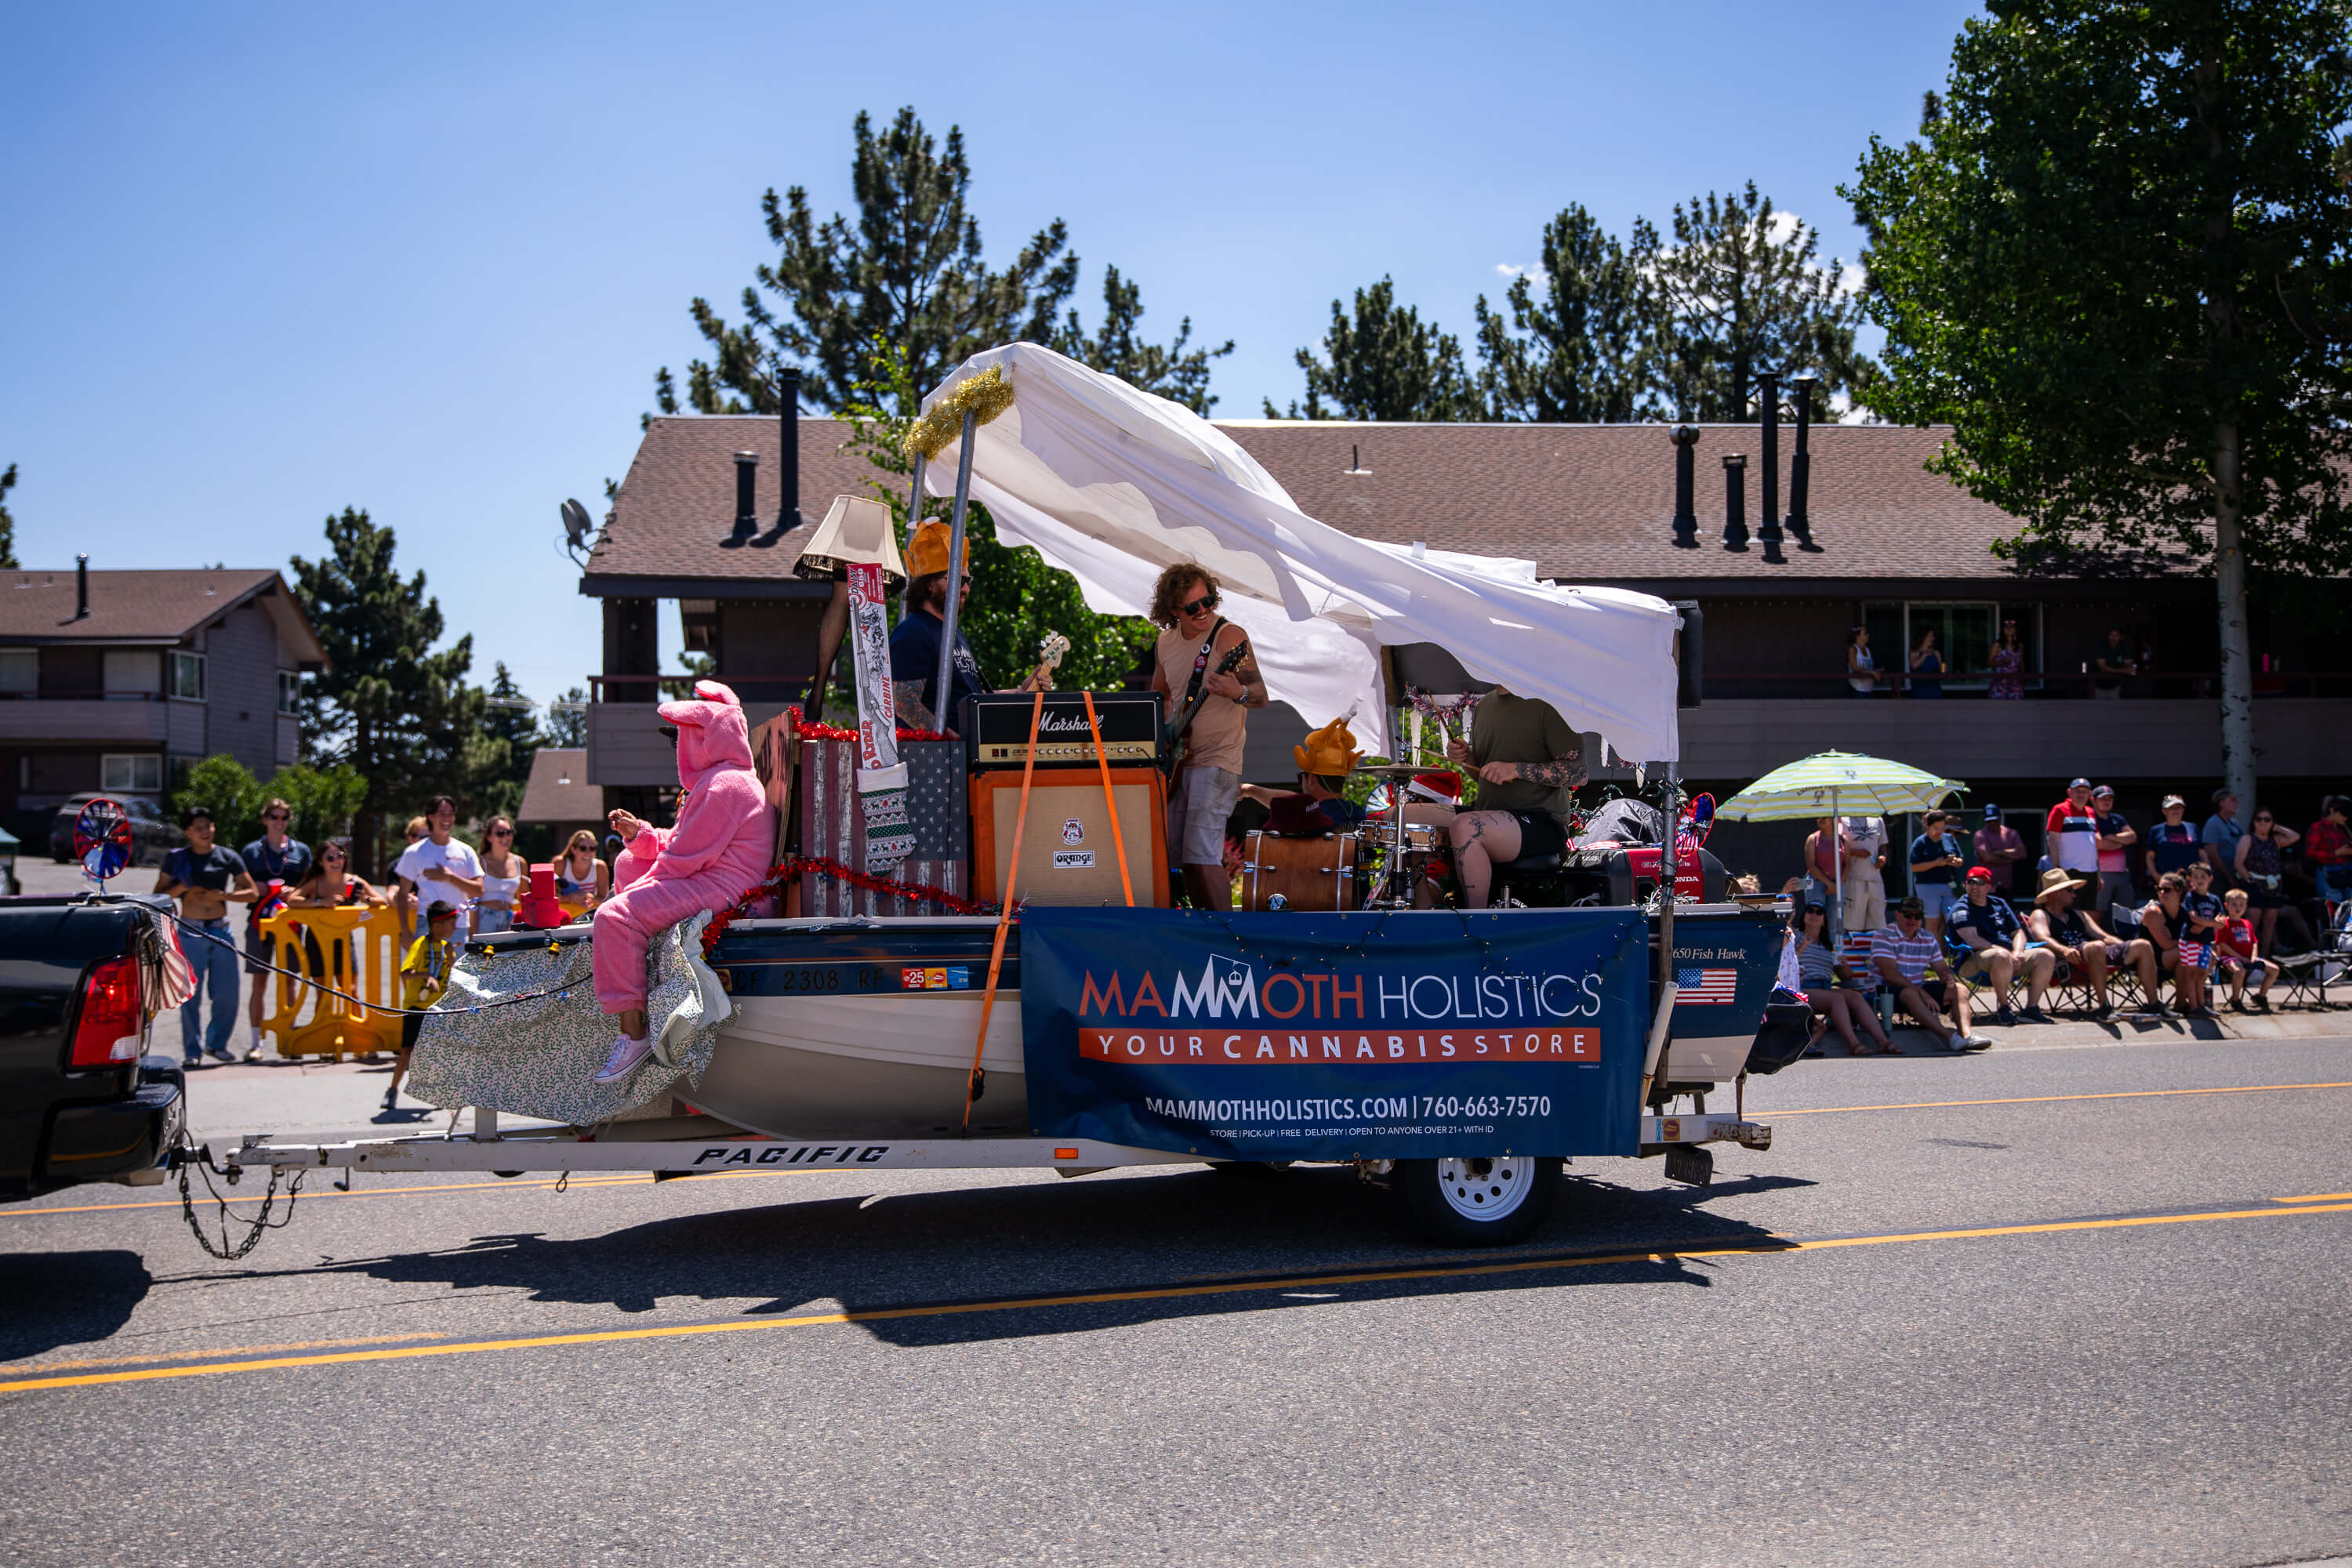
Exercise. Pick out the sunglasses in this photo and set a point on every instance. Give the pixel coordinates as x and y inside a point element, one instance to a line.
<point>276,816</point>
<point>502,833</point>
<point>1206,602</point>
<point>2265,818</point>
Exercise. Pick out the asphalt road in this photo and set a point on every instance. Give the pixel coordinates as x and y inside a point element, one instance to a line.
<point>2102,1319</point>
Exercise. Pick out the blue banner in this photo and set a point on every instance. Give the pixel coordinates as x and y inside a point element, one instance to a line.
<point>1329,1036</point>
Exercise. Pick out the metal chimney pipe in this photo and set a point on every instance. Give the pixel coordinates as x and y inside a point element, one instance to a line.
<point>1768,387</point>
<point>1685,437</point>
<point>1735,501</point>
<point>1801,465</point>
<point>82,588</point>
<point>788,476</point>
<point>747,478</point>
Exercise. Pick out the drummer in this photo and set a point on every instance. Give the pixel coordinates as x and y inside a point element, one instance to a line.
<point>1528,763</point>
<point>1320,804</point>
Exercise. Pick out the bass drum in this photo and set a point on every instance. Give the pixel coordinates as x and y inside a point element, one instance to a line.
<point>1313,874</point>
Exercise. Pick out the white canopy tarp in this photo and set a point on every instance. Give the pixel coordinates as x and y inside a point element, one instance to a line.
<point>1112,484</point>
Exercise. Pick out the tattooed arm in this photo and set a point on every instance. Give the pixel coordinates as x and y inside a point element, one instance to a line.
<point>1561,772</point>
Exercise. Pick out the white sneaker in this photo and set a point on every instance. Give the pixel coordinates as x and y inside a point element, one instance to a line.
<point>627,1057</point>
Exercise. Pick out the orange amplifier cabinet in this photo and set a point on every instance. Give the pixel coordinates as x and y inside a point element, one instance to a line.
<point>1067,854</point>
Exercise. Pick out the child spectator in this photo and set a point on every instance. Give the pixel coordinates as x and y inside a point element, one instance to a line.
<point>1903,953</point>
<point>2240,954</point>
<point>2200,917</point>
<point>2000,847</point>
<point>2173,844</point>
<point>2071,836</point>
<point>2116,838</point>
<point>1997,948</point>
<point>423,975</point>
<point>2327,850</point>
<point>1936,863</point>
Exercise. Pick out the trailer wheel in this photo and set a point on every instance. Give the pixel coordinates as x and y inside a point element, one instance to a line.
<point>1477,1202</point>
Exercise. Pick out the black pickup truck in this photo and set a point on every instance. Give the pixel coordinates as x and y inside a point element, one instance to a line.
<point>79,1098</point>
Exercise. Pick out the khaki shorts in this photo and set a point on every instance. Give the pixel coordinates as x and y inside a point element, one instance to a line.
<point>1197,814</point>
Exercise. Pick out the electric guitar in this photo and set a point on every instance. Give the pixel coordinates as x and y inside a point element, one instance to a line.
<point>1050,652</point>
<point>1178,750</point>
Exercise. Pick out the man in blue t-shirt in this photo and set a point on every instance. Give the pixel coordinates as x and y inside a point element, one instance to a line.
<point>1936,862</point>
<point>2222,831</point>
<point>275,856</point>
<point>1998,947</point>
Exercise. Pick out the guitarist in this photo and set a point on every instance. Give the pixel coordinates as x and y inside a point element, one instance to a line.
<point>1185,662</point>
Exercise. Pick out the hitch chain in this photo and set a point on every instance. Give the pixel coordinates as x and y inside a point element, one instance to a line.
<point>190,1154</point>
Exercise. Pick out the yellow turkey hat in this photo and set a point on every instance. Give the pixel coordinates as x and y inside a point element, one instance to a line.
<point>1330,750</point>
<point>927,549</point>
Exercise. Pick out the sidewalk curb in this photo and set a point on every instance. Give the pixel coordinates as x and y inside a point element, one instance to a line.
<point>2302,1023</point>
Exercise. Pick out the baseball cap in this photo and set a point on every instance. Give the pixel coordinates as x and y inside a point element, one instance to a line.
<point>1911,906</point>
<point>1979,874</point>
<point>2172,800</point>
<point>2080,783</point>
<point>2107,790</point>
<point>1991,812</point>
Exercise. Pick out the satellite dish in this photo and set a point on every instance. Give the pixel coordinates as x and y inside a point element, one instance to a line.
<point>577,528</point>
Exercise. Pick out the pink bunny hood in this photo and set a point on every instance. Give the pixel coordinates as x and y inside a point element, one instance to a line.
<point>711,732</point>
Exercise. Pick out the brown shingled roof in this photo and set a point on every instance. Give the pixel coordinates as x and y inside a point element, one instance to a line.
<point>1588,503</point>
<point>675,512</point>
<point>158,605</point>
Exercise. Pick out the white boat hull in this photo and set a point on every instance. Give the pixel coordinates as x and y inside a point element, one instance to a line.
<point>891,1066</point>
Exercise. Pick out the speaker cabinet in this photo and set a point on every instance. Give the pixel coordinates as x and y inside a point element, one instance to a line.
<point>1069,854</point>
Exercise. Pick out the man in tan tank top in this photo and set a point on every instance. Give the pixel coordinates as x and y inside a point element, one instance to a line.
<point>1197,639</point>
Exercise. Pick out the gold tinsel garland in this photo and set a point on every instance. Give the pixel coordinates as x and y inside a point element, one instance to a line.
<point>984,396</point>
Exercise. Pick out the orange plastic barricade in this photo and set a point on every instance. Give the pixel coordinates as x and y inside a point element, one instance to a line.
<point>356,951</point>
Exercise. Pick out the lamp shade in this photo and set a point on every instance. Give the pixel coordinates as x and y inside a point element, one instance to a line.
<point>856,531</point>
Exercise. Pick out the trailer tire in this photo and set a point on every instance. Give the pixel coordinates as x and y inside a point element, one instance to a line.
<point>1476,1201</point>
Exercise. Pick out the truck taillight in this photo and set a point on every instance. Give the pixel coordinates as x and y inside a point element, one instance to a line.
<point>112,1019</point>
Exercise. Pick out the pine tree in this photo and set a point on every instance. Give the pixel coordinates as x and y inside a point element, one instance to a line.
<point>1582,354</point>
<point>906,269</point>
<point>8,523</point>
<point>567,721</point>
<point>387,704</point>
<point>1170,372</point>
<point>1740,291</point>
<point>2119,260</point>
<point>1383,362</point>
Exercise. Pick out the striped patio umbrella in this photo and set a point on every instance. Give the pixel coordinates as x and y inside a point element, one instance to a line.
<point>1828,784</point>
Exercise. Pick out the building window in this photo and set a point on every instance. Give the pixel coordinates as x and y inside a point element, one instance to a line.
<point>1965,633</point>
<point>131,672</point>
<point>20,671</point>
<point>130,772</point>
<point>289,691</point>
<point>188,675</point>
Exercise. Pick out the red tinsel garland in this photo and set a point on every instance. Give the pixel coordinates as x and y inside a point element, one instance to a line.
<point>835,733</point>
<point>786,870</point>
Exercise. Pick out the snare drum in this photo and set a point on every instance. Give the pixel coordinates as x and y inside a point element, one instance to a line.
<point>1315,874</point>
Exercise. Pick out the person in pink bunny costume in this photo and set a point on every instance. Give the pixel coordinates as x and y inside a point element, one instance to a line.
<point>715,854</point>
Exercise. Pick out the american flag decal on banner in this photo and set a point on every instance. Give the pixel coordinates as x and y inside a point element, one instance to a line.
<point>1706,988</point>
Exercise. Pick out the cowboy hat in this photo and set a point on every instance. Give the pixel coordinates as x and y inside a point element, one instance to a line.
<point>2055,880</point>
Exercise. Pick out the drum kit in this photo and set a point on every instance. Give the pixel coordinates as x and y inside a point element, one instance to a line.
<point>1374,869</point>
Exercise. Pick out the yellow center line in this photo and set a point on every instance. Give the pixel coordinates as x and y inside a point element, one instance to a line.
<point>2315,1198</point>
<point>230,1350</point>
<point>1155,1293</point>
<point>2050,1098</point>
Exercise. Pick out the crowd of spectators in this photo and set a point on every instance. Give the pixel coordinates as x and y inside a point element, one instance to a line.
<point>2185,910</point>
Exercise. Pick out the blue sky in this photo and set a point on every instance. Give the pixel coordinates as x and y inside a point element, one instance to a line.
<point>265,262</point>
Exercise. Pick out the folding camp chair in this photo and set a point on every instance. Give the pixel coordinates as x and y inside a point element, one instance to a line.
<point>2306,976</point>
<point>1854,949</point>
<point>2124,988</point>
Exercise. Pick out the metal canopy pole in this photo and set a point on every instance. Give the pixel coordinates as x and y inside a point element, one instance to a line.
<point>955,574</point>
<point>914,521</point>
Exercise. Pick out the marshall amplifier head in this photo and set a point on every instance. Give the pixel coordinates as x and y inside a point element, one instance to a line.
<point>995,730</point>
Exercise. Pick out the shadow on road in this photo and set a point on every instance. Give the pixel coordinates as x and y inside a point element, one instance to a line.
<point>1186,1234</point>
<point>65,1297</point>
